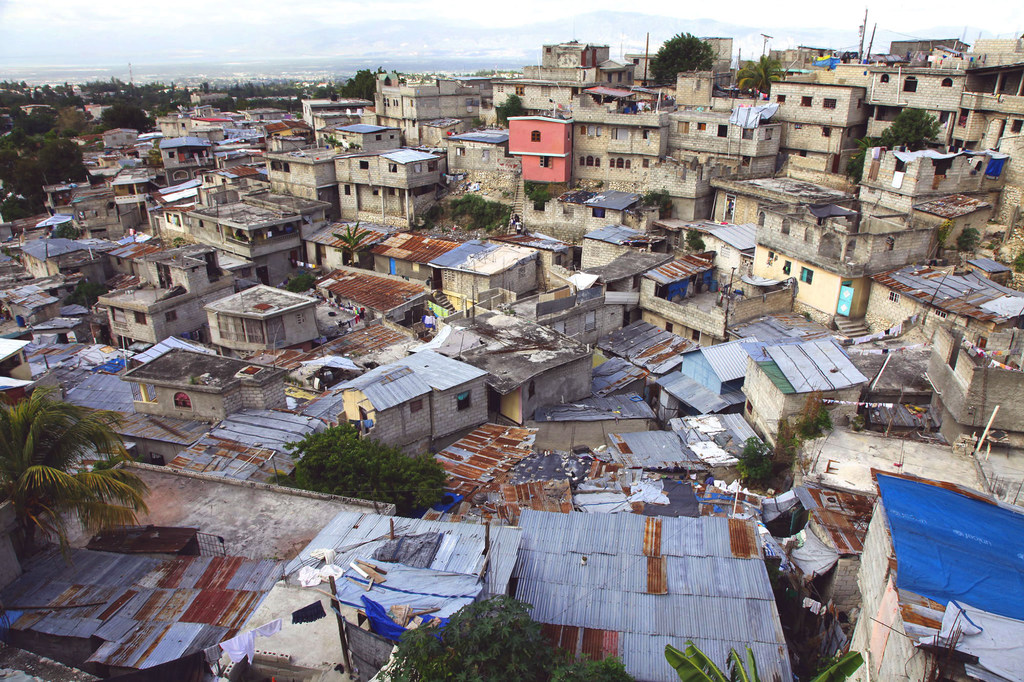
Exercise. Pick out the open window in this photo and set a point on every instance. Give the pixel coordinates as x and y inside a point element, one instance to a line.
<point>182,401</point>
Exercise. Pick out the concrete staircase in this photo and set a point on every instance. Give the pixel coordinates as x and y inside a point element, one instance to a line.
<point>851,326</point>
<point>443,301</point>
<point>518,203</point>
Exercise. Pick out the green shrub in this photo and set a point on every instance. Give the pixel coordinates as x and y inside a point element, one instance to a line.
<point>300,283</point>
<point>968,240</point>
<point>694,241</point>
<point>480,213</point>
<point>755,461</point>
<point>1018,262</point>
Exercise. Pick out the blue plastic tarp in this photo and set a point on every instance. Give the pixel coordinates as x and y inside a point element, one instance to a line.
<point>382,624</point>
<point>953,547</point>
<point>994,168</point>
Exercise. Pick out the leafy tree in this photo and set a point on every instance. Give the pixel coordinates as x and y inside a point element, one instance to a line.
<point>855,166</point>
<point>512,106</point>
<point>71,121</point>
<point>1018,262</point>
<point>125,115</point>
<point>66,231</point>
<point>842,669</point>
<point>693,665</point>
<point>911,128</point>
<point>694,241</point>
<point>351,242</point>
<point>761,74</point>
<point>968,240</point>
<point>659,199</point>
<point>492,640</point>
<point>339,462</point>
<point>300,283</point>
<point>61,160</point>
<point>682,52</point>
<point>41,441</point>
<point>755,461</point>
<point>86,294</point>
<point>363,85</point>
<point>481,213</point>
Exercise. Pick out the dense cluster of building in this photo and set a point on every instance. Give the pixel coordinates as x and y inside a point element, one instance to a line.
<point>685,271</point>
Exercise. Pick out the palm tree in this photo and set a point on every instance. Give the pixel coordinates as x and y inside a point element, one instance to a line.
<point>693,665</point>
<point>41,441</point>
<point>761,74</point>
<point>351,240</point>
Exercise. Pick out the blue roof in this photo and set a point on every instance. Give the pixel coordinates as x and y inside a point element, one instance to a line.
<point>176,142</point>
<point>953,544</point>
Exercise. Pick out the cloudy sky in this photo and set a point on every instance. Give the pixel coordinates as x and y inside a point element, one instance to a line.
<point>63,32</point>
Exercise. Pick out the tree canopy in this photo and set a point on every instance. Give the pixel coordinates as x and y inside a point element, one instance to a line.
<point>682,52</point>
<point>493,640</point>
<point>337,461</point>
<point>125,115</point>
<point>42,442</point>
<point>911,128</point>
<point>363,85</point>
<point>761,74</point>
<point>512,106</point>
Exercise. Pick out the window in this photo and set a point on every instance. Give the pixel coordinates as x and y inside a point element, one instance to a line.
<point>364,165</point>
<point>894,296</point>
<point>300,318</point>
<point>597,212</point>
<point>140,318</point>
<point>947,82</point>
<point>646,134</point>
<point>723,130</point>
<point>348,190</point>
<point>646,163</point>
<point>781,99</point>
<point>460,151</point>
<point>377,137</point>
<point>117,315</point>
<point>829,103</point>
<point>941,314</point>
<point>683,127</point>
<point>531,389</point>
<point>392,168</point>
<point>695,335</point>
<point>668,327</point>
<point>590,161</point>
<point>910,84</point>
<point>520,90</point>
<point>785,226</point>
<point>170,316</point>
<point>620,133</point>
<point>826,131</point>
<point>485,154</point>
<point>620,163</point>
<point>769,133</point>
<point>748,134</point>
<point>431,166</point>
<point>884,78</point>
<point>182,401</point>
<point>416,405</point>
<point>590,321</point>
<point>545,162</point>
<point>806,275</point>
<point>806,101</point>
<point>760,219</point>
<point>1016,126</point>
<point>535,136</point>
<point>702,126</point>
<point>787,267</point>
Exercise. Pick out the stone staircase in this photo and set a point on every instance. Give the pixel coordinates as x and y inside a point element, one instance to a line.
<point>851,326</point>
<point>518,203</point>
<point>443,301</point>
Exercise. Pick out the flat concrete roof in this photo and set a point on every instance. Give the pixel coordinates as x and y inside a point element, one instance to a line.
<point>260,301</point>
<point>258,521</point>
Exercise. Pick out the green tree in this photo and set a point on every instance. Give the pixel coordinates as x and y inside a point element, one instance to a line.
<point>86,294</point>
<point>61,161</point>
<point>66,231</point>
<point>911,128</point>
<point>693,665</point>
<point>125,115</point>
<point>755,461</point>
<point>70,121</point>
<point>42,441</point>
<point>761,74</point>
<point>339,462</point>
<point>480,213</point>
<point>694,241</point>
<point>363,85</point>
<point>512,106</point>
<point>968,240</point>
<point>682,52</point>
<point>351,239</point>
<point>855,166</point>
<point>300,283</point>
<point>492,640</point>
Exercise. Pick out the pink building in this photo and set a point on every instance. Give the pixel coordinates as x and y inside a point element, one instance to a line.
<point>544,145</point>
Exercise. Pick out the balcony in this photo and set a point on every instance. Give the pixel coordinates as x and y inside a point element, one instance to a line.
<point>1004,104</point>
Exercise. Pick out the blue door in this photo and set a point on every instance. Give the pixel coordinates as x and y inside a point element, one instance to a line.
<point>391,266</point>
<point>845,300</point>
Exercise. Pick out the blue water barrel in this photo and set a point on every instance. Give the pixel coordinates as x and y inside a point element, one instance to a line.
<point>19,320</point>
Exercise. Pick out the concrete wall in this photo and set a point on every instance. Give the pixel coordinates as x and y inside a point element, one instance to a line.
<point>296,327</point>
<point>571,381</point>
<point>570,222</point>
<point>445,414</point>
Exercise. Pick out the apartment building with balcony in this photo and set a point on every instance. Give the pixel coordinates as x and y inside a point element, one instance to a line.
<point>132,188</point>
<point>991,107</point>
<point>185,157</point>
<point>389,188</point>
<point>262,318</point>
<point>411,106</point>
<point>174,286</point>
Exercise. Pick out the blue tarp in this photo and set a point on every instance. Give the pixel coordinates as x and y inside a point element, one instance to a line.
<point>677,289</point>
<point>112,366</point>
<point>994,168</point>
<point>382,624</point>
<point>952,547</point>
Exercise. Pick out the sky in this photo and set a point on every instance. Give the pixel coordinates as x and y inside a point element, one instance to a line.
<point>51,32</point>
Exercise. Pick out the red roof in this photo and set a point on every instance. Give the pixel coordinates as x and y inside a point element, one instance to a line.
<point>414,248</point>
<point>370,291</point>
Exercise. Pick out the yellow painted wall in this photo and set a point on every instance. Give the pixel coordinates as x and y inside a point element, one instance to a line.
<point>823,291</point>
<point>512,405</point>
<point>352,401</point>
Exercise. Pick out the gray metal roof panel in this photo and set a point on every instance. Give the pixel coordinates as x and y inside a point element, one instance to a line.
<point>691,392</point>
<point>175,142</point>
<point>741,237</point>
<point>488,136</point>
<point>388,386</point>
<point>615,234</point>
<point>988,265</point>
<point>613,200</point>
<point>362,128</point>
<point>103,392</point>
<point>652,450</point>
<point>815,366</point>
<point>728,360</point>
<point>409,156</point>
<point>615,407</point>
<point>439,371</point>
<point>267,428</point>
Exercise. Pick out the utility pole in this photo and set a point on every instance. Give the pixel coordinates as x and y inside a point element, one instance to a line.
<point>863,30</point>
<point>647,58</point>
<point>764,45</point>
<point>872,41</point>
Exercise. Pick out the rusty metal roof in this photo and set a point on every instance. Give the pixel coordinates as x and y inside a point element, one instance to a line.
<point>414,248</point>
<point>952,206</point>
<point>970,294</point>
<point>364,289</point>
<point>147,610</point>
<point>843,516</point>
<point>679,269</point>
<point>231,459</point>
<point>136,425</point>
<point>485,457</point>
<point>646,346</point>
<point>374,234</point>
<point>137,249</point>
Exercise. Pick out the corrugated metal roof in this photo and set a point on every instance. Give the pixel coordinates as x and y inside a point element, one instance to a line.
<point>615,407</point>
<point>679,269</point>
<point>615,374</point>
<point>483,258</point>
<point>653,450</point>
<point>220,457</point>
<point>438,371</point>
<point>413,247</point>
<point>781,326</point>
<point>740,237</point>
<point>267,428</point>
<point>353,534</point>
<point>728,360</point>
<point>686,389</point>
<point>534,240</point>
<point>486,136</point>
<point>387,386</point>
<point>103,392</point>
<point>952,206</point>
<point>646,346</point>
<point>362,128</point>
<point>170,343</point>
<point>327,236</point>
<point>718,600</point>
<point>378,293</point>
<point>842,515</point>
<point>164,429</point>
<point>484,458</point>
<point>988,265</point>
<point>620,234</point>
<point>816,366</point>
<point>404,156</point>
<point>965,294</point>
<point>175,142</point>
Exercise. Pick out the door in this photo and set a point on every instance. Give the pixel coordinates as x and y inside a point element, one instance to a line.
<point>263,274</point>
<point>391,267</point>
<point>845,299</point>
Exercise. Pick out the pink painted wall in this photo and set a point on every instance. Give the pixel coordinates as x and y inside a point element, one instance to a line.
<point>555,139</point>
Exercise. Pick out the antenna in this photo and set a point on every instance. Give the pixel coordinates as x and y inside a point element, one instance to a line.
<point>764,45</point>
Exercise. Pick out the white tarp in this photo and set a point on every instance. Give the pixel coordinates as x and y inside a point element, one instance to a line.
<point>751,117</point>
<point>997,641</point>
<point>758,281</point>
<point>603,502</point>
<point>583,280</point>
<point>712,455</point>
<point>334,361</point>
<point>814,558</point>
<point>649,492</point>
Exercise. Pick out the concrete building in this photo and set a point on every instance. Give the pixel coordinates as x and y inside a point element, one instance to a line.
<point>551,253</point>
<point>307,173</point>
<point>174,286</point>
<point>474,267</point>
<point>411,106</point>
<point>408,255</point>
<point>619,133</point>
<point>375,295</point>
<point>318,113</point>
<point>325,249</point>
<point>185,157</point>
<point>12,360</point>
<point>261,228</point>
<point>576,213</point>
<point>68,257</point>
<point>360,136</point>
<point>132,188</point>
<point>780,378</point>
<point>119,137</point>
<point>190,385</point>
<point>934,583</point>
<point>584,315</point>
<point>390,188</point>
<point>481,152</point>
<point>821,123</point>
<point>262,318</point>
<point>739,201</point>
<point>602,246</point>
<point>544,146</point>
<point>748,143</point>
<point>529,365</point>
<point>424,401</point>
<point>96,213</point>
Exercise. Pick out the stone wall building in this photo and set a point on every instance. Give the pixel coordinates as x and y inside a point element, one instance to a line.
<point>185,157</point>
<point>375,295</point>
<point>390,188</point>
<point>821,122</point>
<point>576,213</point>
<point>360,137</point>
<point>408,255</point>
<point>306,173</point>
<point>481,151</point>
<point>474,267</point>
<point>602,246</point>
<point>410,106</point>
<point>262,318</point>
